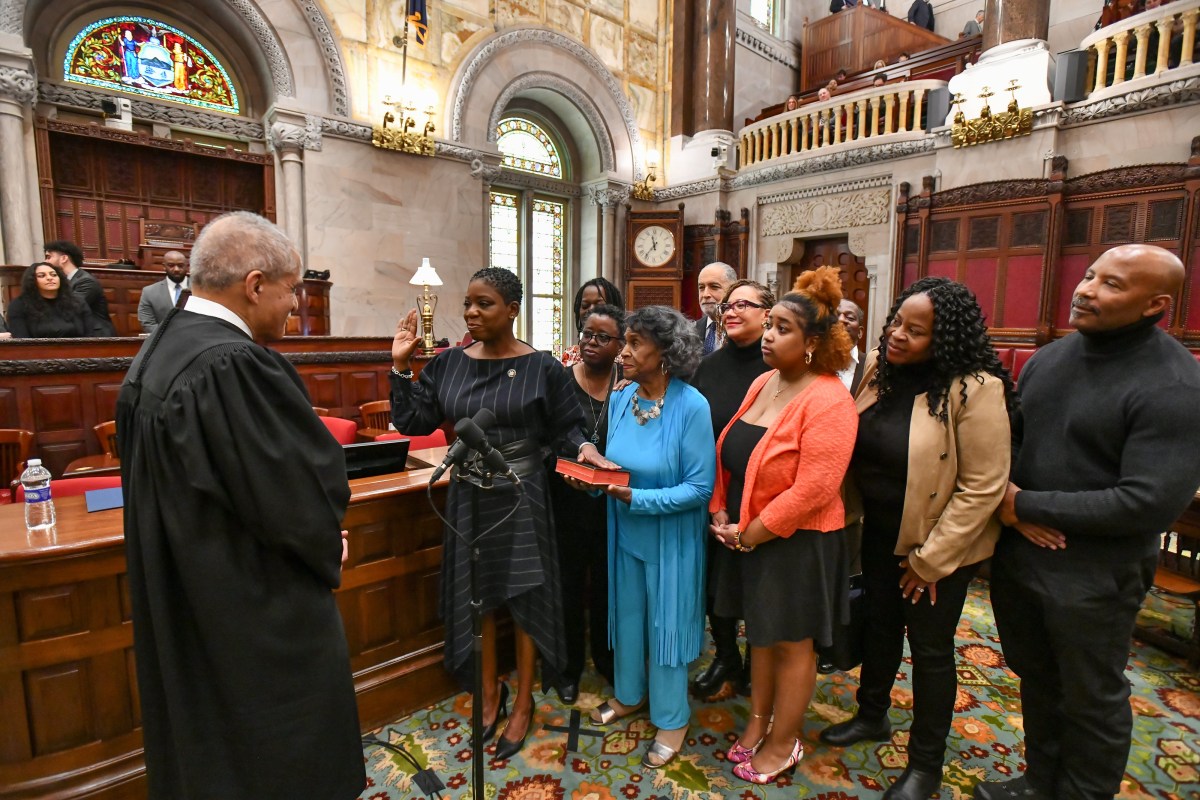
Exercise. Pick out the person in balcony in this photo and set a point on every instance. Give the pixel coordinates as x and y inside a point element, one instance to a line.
<point>920,13</point>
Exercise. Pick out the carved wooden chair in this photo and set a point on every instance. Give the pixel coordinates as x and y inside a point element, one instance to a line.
<point>14,451</point>
<point>106,432</point>
<point>376,414</point>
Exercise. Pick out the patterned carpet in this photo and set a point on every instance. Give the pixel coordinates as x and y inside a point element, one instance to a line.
<point>1165,762</point>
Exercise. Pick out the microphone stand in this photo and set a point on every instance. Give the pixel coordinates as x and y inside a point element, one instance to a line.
<point>478,480</point>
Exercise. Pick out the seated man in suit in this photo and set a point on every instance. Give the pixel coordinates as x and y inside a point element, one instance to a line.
<point>69,258</point>
<point>159,298</point>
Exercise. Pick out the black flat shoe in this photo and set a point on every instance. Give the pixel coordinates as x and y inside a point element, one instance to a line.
<point>826,667</point>
<point>857,729</point>
<point>1016,789</point>
<point>914,784</point>
<point>489,731</point>
<point>568,693</point>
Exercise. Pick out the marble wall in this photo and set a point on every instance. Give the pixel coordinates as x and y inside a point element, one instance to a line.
<point>373,215</point>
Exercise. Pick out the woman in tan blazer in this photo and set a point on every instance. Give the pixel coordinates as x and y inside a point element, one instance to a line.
<point>931,465</point>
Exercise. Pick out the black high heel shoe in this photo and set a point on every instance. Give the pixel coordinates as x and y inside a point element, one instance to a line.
<point>507,748</point>
<point>501,712</point>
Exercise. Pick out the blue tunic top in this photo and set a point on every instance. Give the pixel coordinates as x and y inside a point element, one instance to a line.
<point>672,466</point>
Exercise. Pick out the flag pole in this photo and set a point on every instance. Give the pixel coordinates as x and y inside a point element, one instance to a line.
<point>404,61</point>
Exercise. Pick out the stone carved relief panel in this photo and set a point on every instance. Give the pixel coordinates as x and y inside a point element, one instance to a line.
<point>643,57</point>
<point>849,210</point>
<point>608,41</point>
<point>566,17</point>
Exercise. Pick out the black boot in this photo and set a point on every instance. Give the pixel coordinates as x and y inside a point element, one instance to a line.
<point>857,729</point>
<point>915,784</point>
<point>726,664</point>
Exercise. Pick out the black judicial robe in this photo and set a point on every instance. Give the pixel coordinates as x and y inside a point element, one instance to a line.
<point>234,495</point>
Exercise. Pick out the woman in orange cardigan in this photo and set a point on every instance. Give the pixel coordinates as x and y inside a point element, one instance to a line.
<point>780,464</point>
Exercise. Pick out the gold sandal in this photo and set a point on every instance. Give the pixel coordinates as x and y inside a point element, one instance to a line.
<point>605,714</point>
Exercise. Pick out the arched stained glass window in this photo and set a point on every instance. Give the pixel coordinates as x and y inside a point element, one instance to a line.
<point>150,58</point>
<point>527,148</point>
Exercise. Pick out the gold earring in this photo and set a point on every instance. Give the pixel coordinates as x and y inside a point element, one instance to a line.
<point>808,357</point>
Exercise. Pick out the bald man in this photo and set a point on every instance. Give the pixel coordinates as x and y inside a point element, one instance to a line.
<point>711,285</point>
<point>1106,456</point>
<point>159,298</point>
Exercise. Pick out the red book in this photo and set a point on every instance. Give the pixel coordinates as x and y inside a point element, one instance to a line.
<point>593,475</point>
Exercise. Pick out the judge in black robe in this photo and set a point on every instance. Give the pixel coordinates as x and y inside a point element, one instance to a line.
<point>234,494</point>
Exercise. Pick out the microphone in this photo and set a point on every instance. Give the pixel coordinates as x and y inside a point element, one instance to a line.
<point>472,431</point>
<point>461,448</point>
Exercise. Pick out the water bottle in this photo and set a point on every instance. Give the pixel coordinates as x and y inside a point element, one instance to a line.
<point>39,508</point>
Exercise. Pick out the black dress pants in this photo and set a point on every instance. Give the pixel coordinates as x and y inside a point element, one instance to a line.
<point>583,569</point>
<point>1065,625</point>
<point>930,638</point>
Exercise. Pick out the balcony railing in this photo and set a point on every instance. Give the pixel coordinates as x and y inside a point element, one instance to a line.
<point>1155,38</point>
<point>869,116</point>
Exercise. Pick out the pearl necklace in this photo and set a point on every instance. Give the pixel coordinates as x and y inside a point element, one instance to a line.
<point>642,417</point>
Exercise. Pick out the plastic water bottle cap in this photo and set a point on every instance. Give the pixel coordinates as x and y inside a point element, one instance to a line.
<point>33,462</point>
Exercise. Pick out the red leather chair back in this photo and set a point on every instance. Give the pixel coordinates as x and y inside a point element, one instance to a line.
<point>435,439</point>
<point>71,487</point>
<point>343,430</point>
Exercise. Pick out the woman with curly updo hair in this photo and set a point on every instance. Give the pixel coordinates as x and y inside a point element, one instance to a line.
<point>777,505</point>
<point>931,464</point>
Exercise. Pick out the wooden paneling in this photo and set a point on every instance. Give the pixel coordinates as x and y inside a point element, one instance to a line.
<point>68,692</point>
<point>855,38</point>
<point>726,239</point>
<point>99,183</point>
<point>61,388</point>
<point>1023,246</point>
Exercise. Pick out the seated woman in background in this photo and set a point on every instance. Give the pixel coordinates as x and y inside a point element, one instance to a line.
<point>659,430</point>
<point>931,464</point>
<point>46,307</point>
<point>777,504</point>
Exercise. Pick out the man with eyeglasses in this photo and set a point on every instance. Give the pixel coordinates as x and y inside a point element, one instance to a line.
<point>711,285</point>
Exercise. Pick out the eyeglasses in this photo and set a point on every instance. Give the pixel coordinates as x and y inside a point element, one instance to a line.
<point>738,305</point>
<point>601,339</point>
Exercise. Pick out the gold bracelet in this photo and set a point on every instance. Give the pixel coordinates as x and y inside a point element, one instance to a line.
<point>737,542</point>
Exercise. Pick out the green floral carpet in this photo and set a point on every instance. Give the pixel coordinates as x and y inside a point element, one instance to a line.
<point>984,740</point>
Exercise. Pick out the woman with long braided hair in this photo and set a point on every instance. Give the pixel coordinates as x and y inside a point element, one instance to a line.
<point>931,463</point>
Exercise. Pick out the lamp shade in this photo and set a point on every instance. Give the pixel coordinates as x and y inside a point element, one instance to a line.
<point>426,275</point>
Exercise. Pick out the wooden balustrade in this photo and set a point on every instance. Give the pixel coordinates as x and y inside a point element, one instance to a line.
<point>1156,42</point>
<point>861,117</point>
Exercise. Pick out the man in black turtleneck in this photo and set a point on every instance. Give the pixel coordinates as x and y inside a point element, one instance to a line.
<point>1106,455</point>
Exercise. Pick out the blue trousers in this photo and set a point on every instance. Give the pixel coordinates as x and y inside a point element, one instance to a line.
<point>636,593</point>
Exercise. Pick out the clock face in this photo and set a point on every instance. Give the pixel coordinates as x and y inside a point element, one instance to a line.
<point>654,245</point>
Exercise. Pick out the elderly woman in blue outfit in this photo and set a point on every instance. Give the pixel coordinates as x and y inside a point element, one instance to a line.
<point>660,430</point>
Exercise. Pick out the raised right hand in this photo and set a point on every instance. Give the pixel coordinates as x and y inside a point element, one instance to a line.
<point>406,341</point>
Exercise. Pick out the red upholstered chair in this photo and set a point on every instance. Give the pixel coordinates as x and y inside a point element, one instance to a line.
<point>1005,354</point>
<point>1019,359</point>
<point>71,487</point>
<point>344,430</point>
<point>435,439</point>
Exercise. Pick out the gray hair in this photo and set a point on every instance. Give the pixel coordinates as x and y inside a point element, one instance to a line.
<point>673,334</point>
<point>859,314</point>
<point>235,244</point>
<point>730,273</point>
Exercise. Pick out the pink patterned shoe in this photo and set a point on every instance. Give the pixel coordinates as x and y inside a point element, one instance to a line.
<point>738,754</point>
<point>747,772</point>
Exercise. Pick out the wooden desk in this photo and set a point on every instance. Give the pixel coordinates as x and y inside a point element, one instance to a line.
<point>93,465</point>
<point>369,434</point>
<point>68,698</point>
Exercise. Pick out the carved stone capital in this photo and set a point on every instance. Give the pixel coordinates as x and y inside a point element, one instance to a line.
<point>608,196</point>
<point>488,173</point>
<point>17,85</point>
<point>287,135</point>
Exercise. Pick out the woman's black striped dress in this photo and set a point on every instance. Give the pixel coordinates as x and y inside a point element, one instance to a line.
<point>532,398</point>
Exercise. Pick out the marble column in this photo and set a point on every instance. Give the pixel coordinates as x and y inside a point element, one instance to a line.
<point>1010,20</point>
<point>608,197</point>
<point>290,140</point>
<point>713,44</point>
<point>18,90</point>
